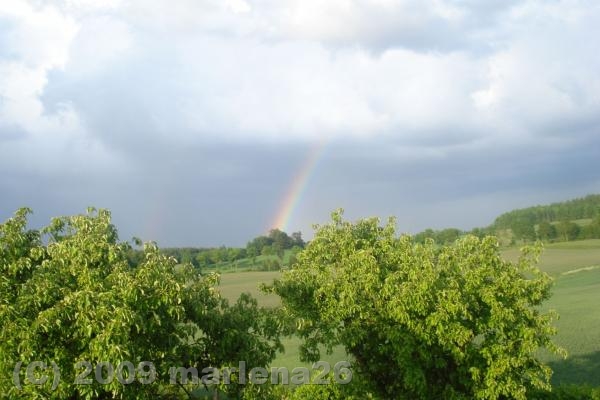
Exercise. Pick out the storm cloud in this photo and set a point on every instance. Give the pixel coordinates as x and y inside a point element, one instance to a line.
<point>191,119</point>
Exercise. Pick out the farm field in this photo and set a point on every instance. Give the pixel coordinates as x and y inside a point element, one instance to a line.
<point>235,283</point>
<point>559,258</point>
<point>575,267</point>
<point>576,297</point>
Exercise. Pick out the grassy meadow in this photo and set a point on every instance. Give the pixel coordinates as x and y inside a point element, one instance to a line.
<point>575,267</point>
<point>235,283</point>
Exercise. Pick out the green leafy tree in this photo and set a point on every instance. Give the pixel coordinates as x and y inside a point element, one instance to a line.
<point>203,259</point>
<point>592,231</point>
<point>255,246</point>
<point>329,387</point>
<point>426,234</point>
<point>479,232</point>
<point>546,231</point>
<point>293,254</point>
<point>267,251</point>
<point>523,228</point>
<point>421,321</point>
<point>297,239</point>
<point>567,230</point>
<point>69,294</point>
<point>281,239</point>
<point>448,235</point>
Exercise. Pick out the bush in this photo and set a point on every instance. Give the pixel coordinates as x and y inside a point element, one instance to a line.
<point>421,321</point>
<point>69,294</point>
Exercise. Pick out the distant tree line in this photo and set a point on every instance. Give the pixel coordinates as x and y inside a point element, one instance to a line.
<point>443,236</point>
<point>449,235</point>
<point>568,230</point>
<point>205,257</point>
<point>554,222</point>
<point>276,242</point>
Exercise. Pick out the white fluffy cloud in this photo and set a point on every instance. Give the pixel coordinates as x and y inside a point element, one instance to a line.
<point>304,69</point>
<point>36,41</point>
<point>548,72</point>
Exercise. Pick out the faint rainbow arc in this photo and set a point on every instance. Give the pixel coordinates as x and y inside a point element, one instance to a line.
<point>297,187</point>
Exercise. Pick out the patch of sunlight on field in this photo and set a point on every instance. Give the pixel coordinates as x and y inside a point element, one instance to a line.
<point>559,258</point>
<point>235,283</point>
<point>575,298</point>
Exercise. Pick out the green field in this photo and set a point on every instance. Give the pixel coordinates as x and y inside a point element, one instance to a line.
<point>559,258</point>
<point>575,267</point>
<point>235,283</point>
<point>576,297</point>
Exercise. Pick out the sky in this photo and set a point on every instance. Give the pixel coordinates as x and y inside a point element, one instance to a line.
<point>208,122</point>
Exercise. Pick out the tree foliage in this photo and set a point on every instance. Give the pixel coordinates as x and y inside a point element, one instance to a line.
<point>69,293</point>
<point>422,321</point>
<point>444,236</point>
<point>567,230</point>
<point>546,231</point>
<point>275,243</point>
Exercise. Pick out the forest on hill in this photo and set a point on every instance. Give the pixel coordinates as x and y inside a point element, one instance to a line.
<point>587,207</point>
<point>576,219</point>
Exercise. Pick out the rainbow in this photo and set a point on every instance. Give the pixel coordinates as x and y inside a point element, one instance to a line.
<point>297,187</point>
